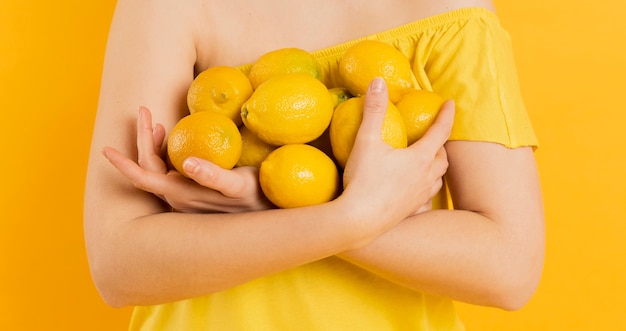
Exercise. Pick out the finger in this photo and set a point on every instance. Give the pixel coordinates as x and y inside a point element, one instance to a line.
<point>426,207</point>
<point>437,186</point>
<point>439,131</point>
<point>146,156</point>
<point>210,175</point>
<point>140,178</point>
<point>159,137</point>
<point>439,165</point>
<point>374,110</point>
<point>442,158</point>
<point>188,196</point>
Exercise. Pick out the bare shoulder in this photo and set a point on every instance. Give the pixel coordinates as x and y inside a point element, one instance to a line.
<point>434,7</point>
<point>456,4</point>
<point>152,47</point>
<point>405,11</point>
<point>158,25</point>
<point>162,16</point>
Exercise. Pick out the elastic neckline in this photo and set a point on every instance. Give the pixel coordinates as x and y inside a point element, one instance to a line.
<point>401,30</point>
<point>410,29</point>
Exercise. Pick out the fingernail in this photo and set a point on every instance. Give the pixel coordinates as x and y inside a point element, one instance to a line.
<point>377,85</point>
<point>190,165</point>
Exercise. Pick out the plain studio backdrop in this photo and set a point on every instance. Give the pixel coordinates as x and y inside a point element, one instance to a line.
<point>570,57</point>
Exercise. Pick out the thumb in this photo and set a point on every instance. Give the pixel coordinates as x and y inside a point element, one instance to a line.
<point>374,110</point>
<point>210,175</point>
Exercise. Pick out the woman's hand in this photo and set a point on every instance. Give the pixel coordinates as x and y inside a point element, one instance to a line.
<point>209,188</point>
<point>412,175</point>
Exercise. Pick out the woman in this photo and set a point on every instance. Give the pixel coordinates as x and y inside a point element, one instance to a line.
<point>376,257</point>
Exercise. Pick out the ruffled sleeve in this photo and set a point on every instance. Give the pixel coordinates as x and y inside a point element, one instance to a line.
<point>471,61</point>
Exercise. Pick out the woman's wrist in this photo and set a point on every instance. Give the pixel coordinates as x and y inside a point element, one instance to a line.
<point>358,221</point>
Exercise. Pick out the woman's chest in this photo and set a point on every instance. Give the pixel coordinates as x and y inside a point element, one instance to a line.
<point>240,34</point>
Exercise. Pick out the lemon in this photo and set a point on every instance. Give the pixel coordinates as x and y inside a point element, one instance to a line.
<point>221,89</point>
<point>207,135</point>
<point>419,108</point>
<point>298,175</point>
<point>284,61</point>
<point>253,149</point>
<point>368,59</point>
<point>347,120</point>
<point>288,109</point>
<point>339,95</point>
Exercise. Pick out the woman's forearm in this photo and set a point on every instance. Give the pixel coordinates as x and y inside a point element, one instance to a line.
<point>489,251</point>
<point>140,254</point>
<point>458,254</point>
<point>171,256</point>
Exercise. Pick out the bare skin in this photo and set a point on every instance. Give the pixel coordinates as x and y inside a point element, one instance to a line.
<point>487,252</point>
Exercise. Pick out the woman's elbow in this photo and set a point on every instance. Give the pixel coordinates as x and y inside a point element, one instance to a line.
<point>518,285</point>
<point>113,299</point>
<point>107,285</point>
<point>517,294</point>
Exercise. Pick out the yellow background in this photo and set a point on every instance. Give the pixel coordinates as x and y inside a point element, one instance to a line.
<point>571,59</point>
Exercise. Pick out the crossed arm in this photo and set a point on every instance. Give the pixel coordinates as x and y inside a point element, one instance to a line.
<point>488,251</point>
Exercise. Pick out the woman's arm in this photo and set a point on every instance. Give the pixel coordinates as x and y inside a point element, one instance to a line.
<point>140,253</point>
<point>489,251</point>
<point>162,257</point>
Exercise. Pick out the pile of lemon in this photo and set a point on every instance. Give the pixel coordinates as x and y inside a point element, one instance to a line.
<point>282,118</point>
